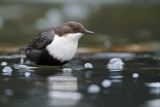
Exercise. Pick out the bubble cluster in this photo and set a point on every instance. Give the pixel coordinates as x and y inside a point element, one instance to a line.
<point>7,69</point>
<point>115,64</point>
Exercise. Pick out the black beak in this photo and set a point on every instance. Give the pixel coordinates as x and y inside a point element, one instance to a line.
<point>89,32</point>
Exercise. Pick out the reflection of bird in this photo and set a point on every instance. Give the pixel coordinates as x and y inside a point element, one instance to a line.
<point>57,45</point>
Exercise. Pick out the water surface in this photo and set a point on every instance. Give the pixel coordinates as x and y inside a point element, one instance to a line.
<point>136,85</point>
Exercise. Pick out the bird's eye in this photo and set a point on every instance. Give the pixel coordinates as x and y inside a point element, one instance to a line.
<point>74,28</point>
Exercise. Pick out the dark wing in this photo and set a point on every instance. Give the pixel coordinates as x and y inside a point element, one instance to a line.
<point>42,40</point>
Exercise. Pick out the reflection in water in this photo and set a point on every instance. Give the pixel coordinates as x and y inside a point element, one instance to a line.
<point>116,77</point>
<point>152,103</point>
<point>22,58</point>
<point>154,88</point>
<point>63,89</point>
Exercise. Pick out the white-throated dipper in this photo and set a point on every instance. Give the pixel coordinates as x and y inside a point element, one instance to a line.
<point>55,46</point>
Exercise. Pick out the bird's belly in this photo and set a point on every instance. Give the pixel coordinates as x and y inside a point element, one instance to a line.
<point>63,51</point>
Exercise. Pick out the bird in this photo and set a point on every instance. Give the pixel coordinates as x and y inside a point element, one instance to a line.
<point>57,45</point>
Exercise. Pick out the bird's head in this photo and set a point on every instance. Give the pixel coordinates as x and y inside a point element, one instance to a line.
<point>73,30</point>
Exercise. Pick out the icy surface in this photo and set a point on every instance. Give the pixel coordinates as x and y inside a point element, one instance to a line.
<point>4,64</point>
<point>115,64</point>
<point>27,74</point>
<point>88,65</point>
<point>106,83</point>
<point>7,69</point>
<point>93,89</point>
<point>135,75</point>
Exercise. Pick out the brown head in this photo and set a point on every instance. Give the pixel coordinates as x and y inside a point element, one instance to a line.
<point>72,28</point>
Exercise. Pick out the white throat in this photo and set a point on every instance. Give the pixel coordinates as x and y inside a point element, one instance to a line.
<point>64,48</point>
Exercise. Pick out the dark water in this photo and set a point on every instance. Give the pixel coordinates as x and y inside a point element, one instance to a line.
<point>137,84</point>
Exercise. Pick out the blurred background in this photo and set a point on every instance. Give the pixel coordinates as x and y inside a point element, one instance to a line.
<point>115,22</point>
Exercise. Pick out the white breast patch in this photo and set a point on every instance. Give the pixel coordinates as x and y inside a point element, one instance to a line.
<point>64,48</point>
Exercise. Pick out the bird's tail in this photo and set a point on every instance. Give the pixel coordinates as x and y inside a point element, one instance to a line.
<point>24,49</point>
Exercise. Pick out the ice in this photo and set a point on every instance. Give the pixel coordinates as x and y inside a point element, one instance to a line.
<point>4,64</point>
<point>93,89</point>
<point>27,74</point>
<point>153,84</point>
<point>88,65</point>
<point>115,64</point>
<point>8,92</point>
<point>7,69</point>
<point>106,83</point>
<point>135,75</point>
<point>67,70</point>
